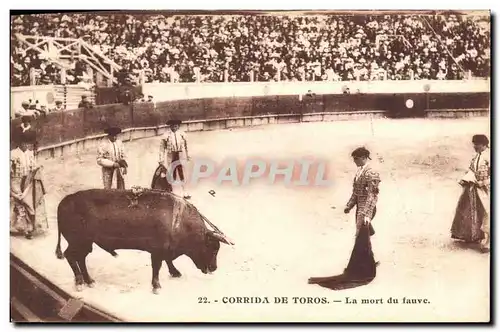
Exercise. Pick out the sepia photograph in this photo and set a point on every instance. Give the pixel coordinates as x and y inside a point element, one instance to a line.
<point>250,166</point>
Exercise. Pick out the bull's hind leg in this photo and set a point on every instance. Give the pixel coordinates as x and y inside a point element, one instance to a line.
<point>83,265</point>
<point>156,261</point>
<point>71,255</point>
<point>172,269</point>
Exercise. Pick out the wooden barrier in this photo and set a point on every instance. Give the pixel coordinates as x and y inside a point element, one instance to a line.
<point>453,113</point>
<point>35,299</point>
<point>78,130</point>
<point>76,146</point>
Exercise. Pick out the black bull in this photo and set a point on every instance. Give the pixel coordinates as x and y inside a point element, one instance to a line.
<point>126,220</point>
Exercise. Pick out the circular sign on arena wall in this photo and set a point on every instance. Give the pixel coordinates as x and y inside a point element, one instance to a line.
<point>409,103</point>
<point>427,87</point>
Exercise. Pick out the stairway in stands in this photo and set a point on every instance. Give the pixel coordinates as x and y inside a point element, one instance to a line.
<point>71,95</point>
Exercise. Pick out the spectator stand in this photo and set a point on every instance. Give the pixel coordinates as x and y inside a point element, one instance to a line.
<point>173,48</point>
<point>72,65</point>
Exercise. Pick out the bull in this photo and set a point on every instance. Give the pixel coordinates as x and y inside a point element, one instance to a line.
<point>129,219</point>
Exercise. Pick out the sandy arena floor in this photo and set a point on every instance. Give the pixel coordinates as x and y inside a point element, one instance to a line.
<point>286,235</point>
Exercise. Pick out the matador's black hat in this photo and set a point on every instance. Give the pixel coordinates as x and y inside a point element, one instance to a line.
<point>480,139</point>
<point>173,122</point>
<point>113,131</point>
<point>360,153</point>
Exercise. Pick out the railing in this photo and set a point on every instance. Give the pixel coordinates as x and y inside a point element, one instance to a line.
<point>33,299</point>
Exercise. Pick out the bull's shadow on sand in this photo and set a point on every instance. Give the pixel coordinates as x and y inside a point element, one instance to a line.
<point>360,271</point>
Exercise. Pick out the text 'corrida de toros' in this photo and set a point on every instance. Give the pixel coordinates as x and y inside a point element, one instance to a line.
<point>275,300</point>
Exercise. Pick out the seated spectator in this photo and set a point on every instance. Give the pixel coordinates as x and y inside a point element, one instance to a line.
<point>140,98</point>
<point>59,107</point>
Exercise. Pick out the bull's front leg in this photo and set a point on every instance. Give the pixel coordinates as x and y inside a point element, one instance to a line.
<point>156,261</point>
<point>172,269</point>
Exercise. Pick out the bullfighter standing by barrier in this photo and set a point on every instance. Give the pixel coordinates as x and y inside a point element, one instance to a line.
<point>28,215</point>
<point>111,157</point>
<point>174,148</point>
<point>472,217</point>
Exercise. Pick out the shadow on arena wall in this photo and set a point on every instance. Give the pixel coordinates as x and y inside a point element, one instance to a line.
<point>59,127</point>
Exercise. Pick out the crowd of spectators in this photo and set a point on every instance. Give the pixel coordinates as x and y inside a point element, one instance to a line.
<point>264,47</point>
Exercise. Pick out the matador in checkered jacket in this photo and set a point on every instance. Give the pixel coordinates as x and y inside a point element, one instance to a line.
<point>111,158</point>
<point>365,190</point>
<point>174,148</point>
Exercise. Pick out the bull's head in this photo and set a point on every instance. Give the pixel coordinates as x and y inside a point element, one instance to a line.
<point>213,244</point>
<point>207,257</point>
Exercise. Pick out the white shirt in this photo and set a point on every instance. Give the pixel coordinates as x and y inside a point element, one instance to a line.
<point>360,171</point>
<point>22,162</point>
<point>110,152</point>
<point>481,156</point>
<point>23,128</point>
<point>174,141</point>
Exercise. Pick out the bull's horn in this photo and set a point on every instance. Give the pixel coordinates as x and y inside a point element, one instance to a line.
<point>222,238</point>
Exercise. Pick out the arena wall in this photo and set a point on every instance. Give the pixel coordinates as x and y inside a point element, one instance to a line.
<point>79,129</point>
